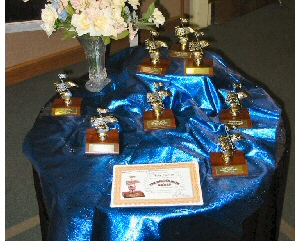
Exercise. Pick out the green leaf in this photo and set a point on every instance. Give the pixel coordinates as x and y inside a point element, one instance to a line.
<point>70,10</point>
<point>147,26</point>
<point>68,34</point>
<point>106,40</point>
<point>147,15</point>
<point>124,34</point>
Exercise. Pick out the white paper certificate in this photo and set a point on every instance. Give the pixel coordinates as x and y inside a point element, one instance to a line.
<point>166,184</point>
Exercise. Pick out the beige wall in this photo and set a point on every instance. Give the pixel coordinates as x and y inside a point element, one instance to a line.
<point>26,46</point>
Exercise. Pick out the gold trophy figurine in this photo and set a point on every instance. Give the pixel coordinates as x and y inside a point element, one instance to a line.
<point>229,162</point>
<point>100,139</point>
<point>154,64</point>
<point>197,65</point>
<point>180,50</point>
<point>158,117</point>
<point>66,105</point>
<point>236,115</point>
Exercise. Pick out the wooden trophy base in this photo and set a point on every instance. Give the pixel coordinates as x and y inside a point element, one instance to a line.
<point>176,53</point>
<point>159,69</point>
<point>205,69</point>
<point>95,146</point>
<point>241,121</point>
<point>61,109</point>
<point>237,167</point>
<point>166,121</point>
<point>133,195</point>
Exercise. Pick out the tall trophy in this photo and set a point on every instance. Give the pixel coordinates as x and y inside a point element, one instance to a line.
<point>154,64</point>
<point>158,117</point>
<point>236,115</point>
<point>196,64</point>
<point>229,162</point>
<point>180,50</point>
<point>101,139</point>
<point>66,105</point>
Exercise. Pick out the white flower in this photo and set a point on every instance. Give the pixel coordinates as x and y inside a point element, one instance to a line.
<point>134,3</point>
<point>118,3</point>
<point>81,23</point>
<point>102,22</point>
<point>157,18</point>
<point>49,16</point>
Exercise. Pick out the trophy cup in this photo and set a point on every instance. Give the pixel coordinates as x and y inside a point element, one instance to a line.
<point>158,118</point>
<point>236,115</point>
<point>66,105</point>
<point>229,162</point>
<point>154,65</point>
<point>100,139</point>
<point>180,50</point>
<point>197,65</point>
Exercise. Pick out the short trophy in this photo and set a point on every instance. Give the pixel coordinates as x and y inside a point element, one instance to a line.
<point>158,117</point>
<point>132,189</point>
<point>101,139</point>
<point>236,115</point>
<point>180,50</point>
<point>197,65</point>
<point>66,105</point>
<point>229,162</point>
<point>154,65</point>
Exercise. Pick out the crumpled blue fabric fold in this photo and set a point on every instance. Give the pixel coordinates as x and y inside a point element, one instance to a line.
<point>77,187</point>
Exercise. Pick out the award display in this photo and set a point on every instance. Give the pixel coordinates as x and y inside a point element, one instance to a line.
<point>197,65</point>
<point>158,117</point>
<point>229,162</point>
<point>236,115</point>
<point>100,139</point>
<point>66,105</point>
<point>154,65</point>
<point>180,50</point>
<point>160,184</point>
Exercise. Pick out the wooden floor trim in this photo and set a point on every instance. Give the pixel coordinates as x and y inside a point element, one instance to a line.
<point>42,65</point>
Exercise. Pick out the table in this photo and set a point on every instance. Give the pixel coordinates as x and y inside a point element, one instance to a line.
<point>73,188</point>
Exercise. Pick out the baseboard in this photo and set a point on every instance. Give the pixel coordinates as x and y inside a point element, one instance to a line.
<point>42,65</point>
<point>27,70</point>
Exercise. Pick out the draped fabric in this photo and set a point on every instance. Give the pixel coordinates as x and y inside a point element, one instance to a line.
<point>77,187</point>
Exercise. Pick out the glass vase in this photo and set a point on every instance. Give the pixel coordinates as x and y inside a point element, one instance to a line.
<point>95,49</point>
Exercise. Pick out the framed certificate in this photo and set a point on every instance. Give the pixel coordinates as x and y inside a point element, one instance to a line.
<point>164,184</point>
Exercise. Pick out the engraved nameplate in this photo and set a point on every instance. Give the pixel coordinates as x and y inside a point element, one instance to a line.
<point>237,167</point>
<point>159,123</point>
<point>176,53</point>
<point>241,121</point>
<point>102,148</point>
<point>166,121</point>
<point>149,68</point>
<point>65,111</point>
<point>95,146</point>
<point>205,69</point>
<point>61,109</point>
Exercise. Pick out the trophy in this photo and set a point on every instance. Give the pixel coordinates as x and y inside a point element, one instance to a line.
<point>154,65</point>
<point>180,50</point>
<point>66,105</point>
<point>158,118</point>
<point>197,65</point>
<point>100,139</point>
<point>229,162</point>
<point>236,115</point>
<point>132,193</point>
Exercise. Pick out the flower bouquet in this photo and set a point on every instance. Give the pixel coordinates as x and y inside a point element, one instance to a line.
<point>95,23</point>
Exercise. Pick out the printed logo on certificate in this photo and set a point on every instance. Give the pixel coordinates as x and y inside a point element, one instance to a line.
<point>164,184</point>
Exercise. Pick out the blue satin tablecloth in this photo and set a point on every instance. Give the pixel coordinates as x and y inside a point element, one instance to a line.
<point>77,187</point>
